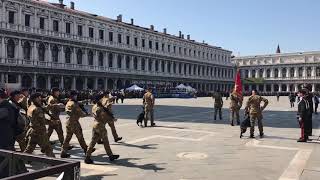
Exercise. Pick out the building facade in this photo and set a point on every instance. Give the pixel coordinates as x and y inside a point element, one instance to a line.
<point>46,45</point>
<point>286,72</point>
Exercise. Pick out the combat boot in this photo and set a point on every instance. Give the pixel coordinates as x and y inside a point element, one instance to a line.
<point>118,139</point>
<point>153,124</point>
<point>88,160</point>
<point>232,124</point>
<point>113,157</point>
<point>301,140</point>
<point>251,136</point>
<point>238,123</point>
<point>261,135</point>
<point>65,155</point>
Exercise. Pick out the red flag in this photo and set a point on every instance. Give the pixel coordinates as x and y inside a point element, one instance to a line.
<point>238,84</point>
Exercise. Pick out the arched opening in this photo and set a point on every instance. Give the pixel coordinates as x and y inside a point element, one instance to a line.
<point>101,59</point>
<point>253,74</point>
<point>11,49</point>
<point>127,62</point>
<point>268,88</point>
<point>79,83</point>
<point>101,84</point>
<point>284,72</point>
<point>119,61</point>
<point>119,84</point>
<point>300,72</point>
<point>55,53</point>
<point>260,73</point>
<point>276,73</point>
<point>283,87</point>
<point>67,83</point>
<point>150,65</point>
<point>291,72</point>
<point>12,78</point>
<point>110,84</point>
<point>90,83</point>
<point>26,81</point>
<point>135,63</point>
<point>143,64</point>
<point>79,56</point>
<point>275,88</point>
<point>110,60</point>
<point>41,82</point>
<point>55,81</point>
<point>41,52</point>
<point>26,51</point>
<point>67,55</point>
<point>268,73</point>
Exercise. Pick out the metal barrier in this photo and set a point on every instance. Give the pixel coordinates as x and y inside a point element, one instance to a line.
<point>57,166</point>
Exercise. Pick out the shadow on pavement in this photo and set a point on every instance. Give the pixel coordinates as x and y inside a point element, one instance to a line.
<point>146,146</point>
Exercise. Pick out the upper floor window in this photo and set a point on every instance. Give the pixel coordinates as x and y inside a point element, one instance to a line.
<point>41,52</point>
<point>79,56</point>
<point>101,34</point>
<point>80,30</point>
<point>309,70</point>
<point>55,25</point>
<point>91,32</point>
<point>111,36</point>
<point>180,50</point>
<point>150,44</point>
<point>157,46</point>
<point>127,62</point>
<point>11,17</point>
<point>68,28</point>
<point>119,62</point>
<point>143,43</point>
<point>119,38</point>
<point>11,49</point>
<point>26,51</point>
<point>27,20</point>
<point>55,54</point>
<point>90,58</point>
<point>174,49</point>
<point>136,41</point>
<point>67,55</point>
<point>143,64</point>
<point>110,60</point>
<point>41,23</point>
<point>162,46</point>
<point>101,57</point>
<point>128,40</point>
<point>169,48</point>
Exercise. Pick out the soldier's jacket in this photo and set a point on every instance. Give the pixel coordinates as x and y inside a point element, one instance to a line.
<point>236,102</point>
<point>148,100</point>
<point>218,102</point>
<point>37,118</point>
<point>23,102</point>
<point>254,104</point>
<point>100,116</point>
<point>73,111</point>
<point>54,108</point>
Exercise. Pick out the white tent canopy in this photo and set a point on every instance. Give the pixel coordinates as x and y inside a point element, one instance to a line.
<point>134,88</point>
<point>181,86</point>
<point>189,88</point>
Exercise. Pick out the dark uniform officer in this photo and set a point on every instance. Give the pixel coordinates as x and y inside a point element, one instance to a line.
<point>303,115</point>
<point>37,133</point>
<point>255,111</point>
<point>55,107</point>
<point>99,131</point>
<point>218,104</point>
<point>73,126</point>
<point>309,98</point>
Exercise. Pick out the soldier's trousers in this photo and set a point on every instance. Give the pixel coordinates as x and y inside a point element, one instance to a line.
<point>21,139</point>
<point>113,129</point>
<point>216,111</point>
<point>234,114</point>
<point>97,134</point>
<point>253,119</point>
<point>57,126</point>
<point>74,128</point>
<point>148,113</point>
<point>38,138</point>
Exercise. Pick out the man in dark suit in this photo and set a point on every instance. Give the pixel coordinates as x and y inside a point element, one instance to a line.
<point>303,114</point>
<point>309,98</point>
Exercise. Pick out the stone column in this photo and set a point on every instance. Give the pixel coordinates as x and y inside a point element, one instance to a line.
<point>48,82</point>
<point>105,84</point>
<point>49,53</point>
<point>85,84</point>
<point>2,78</point>
<point>34,52</point>
<point>19,50</point>
<point>95,86</point>
<point>304,72</point>
<point>272,73</point>
<point>3,48</point>
<point>61,82</point>
<point>296,72</point>
<point>288,72</point>
<point>74,83</point>
<point>264,88</point>
<point>35,80</point>
<point>131,63</point>
<point>288,87</point>
<point>249,73</point>
<point>166,67</point>
<point>313,87</point>
<point>139,64</point>
<point>114,61</point>
<point>313,71</point>
<point>153,65</point>
<point>19,78</point>
<point>272,87</point>
<point>61,55</point>
<point>296,88</point>
<point>280,87</point>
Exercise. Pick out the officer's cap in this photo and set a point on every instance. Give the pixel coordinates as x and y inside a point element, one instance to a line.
<point>34,96</point>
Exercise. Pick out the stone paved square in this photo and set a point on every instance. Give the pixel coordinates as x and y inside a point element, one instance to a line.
<point>188,144</point>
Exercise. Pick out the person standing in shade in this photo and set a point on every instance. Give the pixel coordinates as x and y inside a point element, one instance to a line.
<point>303,114</point>
<point>316,104</point>
<point>309,98</point>
<point>218,104</point>
<point>254,109</point>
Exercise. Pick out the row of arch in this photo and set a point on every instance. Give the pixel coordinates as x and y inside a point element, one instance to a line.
<point>282,72</point>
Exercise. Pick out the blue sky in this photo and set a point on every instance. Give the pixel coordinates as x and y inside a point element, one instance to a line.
<point>246,27</point>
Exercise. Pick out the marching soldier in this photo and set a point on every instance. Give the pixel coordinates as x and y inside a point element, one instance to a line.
<point>55,107</point>
<point>99,131</point>
<point>148,102</point>
<point>37,133</point>
<point>74,113</point>
<point>218,104</point>
<point>255,111</point>
<point>106,101</point>
<point>235,105</point>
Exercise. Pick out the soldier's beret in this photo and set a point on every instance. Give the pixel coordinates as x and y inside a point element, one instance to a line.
<point>34,96</point>
<point>14,93</point>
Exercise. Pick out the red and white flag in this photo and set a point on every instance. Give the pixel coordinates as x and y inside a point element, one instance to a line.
<point>238,84</point>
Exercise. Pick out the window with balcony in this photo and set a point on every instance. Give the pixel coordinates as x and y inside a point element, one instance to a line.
<point>119,62</point>
<point>27,20</point>
<point>128,40</point>
<point>143,42</point>
<point>127,62</point>
<point>150,44</point>
<point>110,60</point>
<point>42,23</point>
<point>11,49</point>
<point>79,56</point>
<point>91,32</point>
<point>300,72</point>
<point>11,17</point>
<point>119,38</point>
<point>80,33</point>
<point>309,71</point>
<point>111,36</point>
<point>135,63</point>
<point>136,41</point>
<point>101,34</point>
<point>41,52</point>
<point>27,51</point>
<point>291,72</point>
<point>157,46</point>
<point>68,28</point>
<point>318,71</point>
<point>101,59</point>
<point>67,55</point>
<point>55,53</point>
<point>143,64</point>
<point>55,25</point>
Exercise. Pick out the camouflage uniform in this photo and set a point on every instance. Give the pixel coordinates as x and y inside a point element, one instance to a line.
<point>73,126</point>
<point>255,111</point>
<point>107,102</point>
<point>148,102</point>
<point>37,132</point>
<point>218,104</point>
<point>99,130</point>
<point>235,105</point>
<point>54,123</point>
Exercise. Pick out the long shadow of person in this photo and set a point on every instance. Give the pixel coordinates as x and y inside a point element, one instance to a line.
<point>146,146</point>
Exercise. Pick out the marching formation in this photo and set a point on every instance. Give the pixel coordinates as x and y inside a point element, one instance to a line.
<point>37,116</point>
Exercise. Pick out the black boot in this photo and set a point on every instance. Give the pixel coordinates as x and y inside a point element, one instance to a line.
<point>70,147</point>
<point>251,136</point>
<point>261,135</point>
<point>232,124</point>
<point>153,124</point>
<point>88,160</point>
<point>118,139</point>
<point>238,123</point>
<point>113,157</point>
<point>64,155</point>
